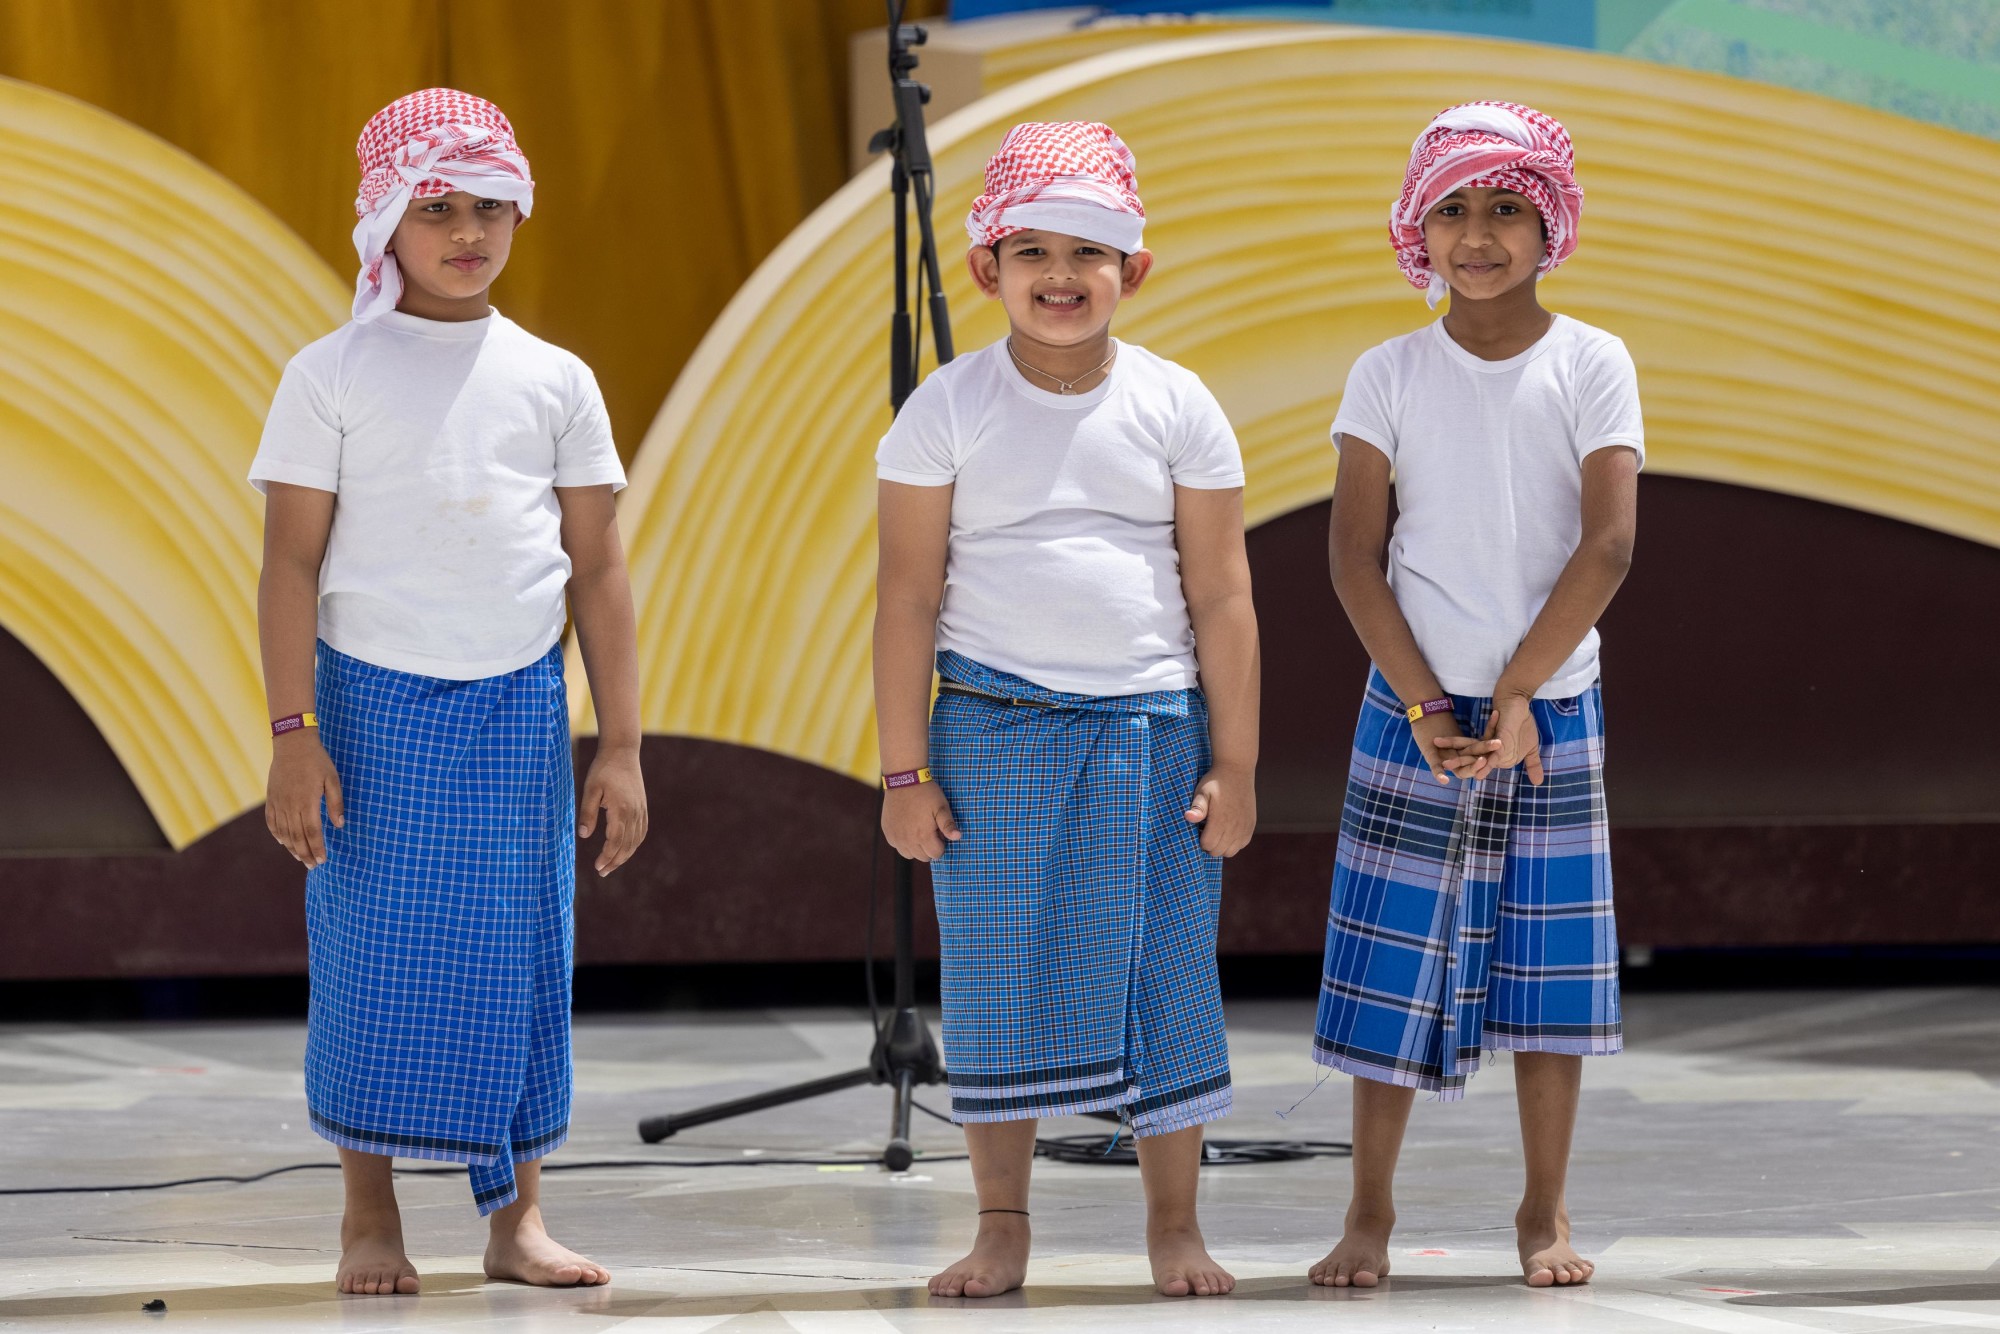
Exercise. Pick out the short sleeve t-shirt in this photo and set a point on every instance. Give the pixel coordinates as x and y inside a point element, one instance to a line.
<point>1062,566</point>
<point>443,443</point>
<point>1488,459</point>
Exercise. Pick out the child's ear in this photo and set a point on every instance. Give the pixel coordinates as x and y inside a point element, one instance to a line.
<point>984,263</point>
<point>1134,270</point>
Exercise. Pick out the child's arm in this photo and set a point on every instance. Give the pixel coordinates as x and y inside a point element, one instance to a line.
<point>297,520</point>
<point>600,602</point>
<point>1593,573</point>
<point>914,526</point>
<point>1356,539</point>
<point>1215,579</point>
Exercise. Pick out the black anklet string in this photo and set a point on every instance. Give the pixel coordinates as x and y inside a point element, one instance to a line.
<point>1022,1212</point>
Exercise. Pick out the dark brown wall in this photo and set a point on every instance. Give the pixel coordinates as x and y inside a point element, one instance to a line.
<point>61,788</point>
<point>1769,660</point>
<point>1795,759</point>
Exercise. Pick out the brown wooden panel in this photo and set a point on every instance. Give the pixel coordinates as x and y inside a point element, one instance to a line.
<point>1789,767</point>
<point>1770,660</point>
<point>1719,885</point>
<point>753,856</point>
<point>61,788</point>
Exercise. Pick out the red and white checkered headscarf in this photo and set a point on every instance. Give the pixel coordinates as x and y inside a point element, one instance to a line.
<point>419,147</point>
<point>1073,177</point>
<point>1496,145</point>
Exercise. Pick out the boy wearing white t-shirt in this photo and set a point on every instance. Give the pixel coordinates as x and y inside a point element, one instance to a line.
<point>1062,541</point>
<point>436,481</point>
<point>1471,906</point>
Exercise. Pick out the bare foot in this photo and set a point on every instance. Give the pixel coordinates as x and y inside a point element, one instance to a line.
<point>1547,1259</point>
<point>521,1251</point>
<point>1361,1259</point>
<point>372,1260</point>
<point>1182,1266</point>
<point>997,1263</point>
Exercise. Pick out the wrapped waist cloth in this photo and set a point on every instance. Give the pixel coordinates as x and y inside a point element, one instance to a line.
<point>440,930</point>
<point>1077,914</point>
<point>1469,917</point>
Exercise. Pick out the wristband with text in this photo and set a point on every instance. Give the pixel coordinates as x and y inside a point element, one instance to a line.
<point>280,726</point>
<point>907,778</point>
<point>1418,712</point>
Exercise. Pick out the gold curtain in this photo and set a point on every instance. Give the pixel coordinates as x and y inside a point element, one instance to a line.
<point>675,142</point>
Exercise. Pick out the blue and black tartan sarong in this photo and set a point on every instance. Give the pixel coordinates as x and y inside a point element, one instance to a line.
<point>1469,917</point>
<point>439,929</point>
<point>1078,912</point>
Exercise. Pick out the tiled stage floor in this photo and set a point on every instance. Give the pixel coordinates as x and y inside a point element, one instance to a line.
<point>1755,1162</point>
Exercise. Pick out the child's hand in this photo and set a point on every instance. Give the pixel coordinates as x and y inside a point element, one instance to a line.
<point>1225,806</point>
<point>1511,738</point>
<point>917,821</point>
<point>302,776</point>
<point>1442,745</point>
<point>614,786</point>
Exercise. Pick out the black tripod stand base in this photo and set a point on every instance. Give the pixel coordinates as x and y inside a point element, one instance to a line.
<point>656,1128</point>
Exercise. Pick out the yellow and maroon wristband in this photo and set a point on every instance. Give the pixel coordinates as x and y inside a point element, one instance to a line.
<point>907,778</point>
<point>1416,713</point>
<point>280,726</point>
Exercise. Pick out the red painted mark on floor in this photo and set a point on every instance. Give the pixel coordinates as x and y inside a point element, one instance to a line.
<point>1734,1292</point>
<point>1430,1252</point>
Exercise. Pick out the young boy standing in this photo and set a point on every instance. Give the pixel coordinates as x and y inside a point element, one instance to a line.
<point>1472,890</point>
<point>436,479</point>
<point>1062,539</point>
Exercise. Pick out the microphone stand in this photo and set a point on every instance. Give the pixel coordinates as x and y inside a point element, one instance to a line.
<point>904,1055</point>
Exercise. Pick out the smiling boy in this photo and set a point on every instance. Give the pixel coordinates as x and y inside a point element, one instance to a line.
<point>1471,904</point>
<point>1062,540</point>
<point>438,489</point>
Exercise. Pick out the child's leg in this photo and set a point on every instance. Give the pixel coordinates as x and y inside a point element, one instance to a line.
<point>1170,1166</point>
<point>1381,1113</point>
<point>1546,1085</point>
<point>518,1247</point>
<point>1003,1154</point>
<point>372,1259</point>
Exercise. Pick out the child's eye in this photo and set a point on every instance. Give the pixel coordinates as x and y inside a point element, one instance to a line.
<point>490,203</point>
<point>1088,250</point>
<point>1507,210</point>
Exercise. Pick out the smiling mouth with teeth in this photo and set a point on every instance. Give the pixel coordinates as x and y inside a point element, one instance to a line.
<point>1061,298</point>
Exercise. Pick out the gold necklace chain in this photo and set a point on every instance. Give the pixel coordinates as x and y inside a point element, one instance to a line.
<point>1068,386</point>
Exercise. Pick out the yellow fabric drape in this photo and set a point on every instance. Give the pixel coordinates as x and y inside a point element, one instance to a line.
<point>675,142</point>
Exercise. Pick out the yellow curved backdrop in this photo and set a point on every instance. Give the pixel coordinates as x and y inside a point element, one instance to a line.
<point>1773,259</point>
<point>147,311</point>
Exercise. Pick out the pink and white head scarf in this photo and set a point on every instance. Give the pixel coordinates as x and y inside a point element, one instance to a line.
<point>1497,145</point>
<point>1074,177</point>
<point>421,146</point>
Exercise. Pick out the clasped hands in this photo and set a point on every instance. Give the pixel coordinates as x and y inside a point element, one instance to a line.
<point>1511,738</point>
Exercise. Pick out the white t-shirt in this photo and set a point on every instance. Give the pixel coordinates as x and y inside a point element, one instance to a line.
<point>443,442</point>
<point>1062,566</point>
<point>1488,459</point>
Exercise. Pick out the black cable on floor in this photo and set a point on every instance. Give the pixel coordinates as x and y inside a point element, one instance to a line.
<point>456,1168</point>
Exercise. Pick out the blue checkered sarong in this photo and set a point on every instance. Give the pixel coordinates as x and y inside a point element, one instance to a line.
<point>1078,913</point>
<point>1469,917</point>
<point>439,929</point>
